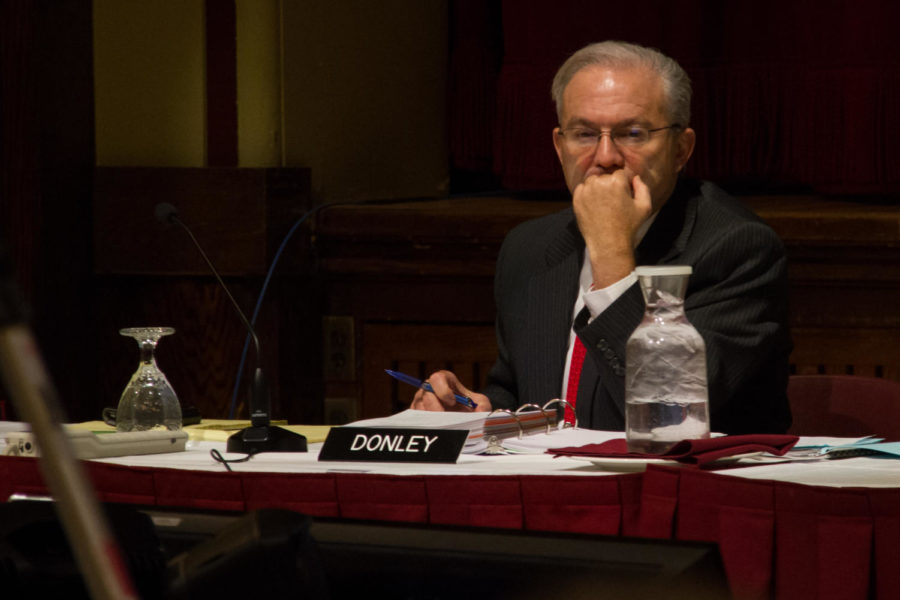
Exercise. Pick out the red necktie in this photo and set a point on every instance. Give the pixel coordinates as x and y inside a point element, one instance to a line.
<point>578,352</point>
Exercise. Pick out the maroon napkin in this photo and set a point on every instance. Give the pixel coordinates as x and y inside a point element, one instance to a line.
<point>694,452</point>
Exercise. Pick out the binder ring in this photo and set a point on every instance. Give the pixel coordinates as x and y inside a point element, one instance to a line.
<point>566,402</point>
<point>543,412</point>
<point>513,415</point>
<point>494,446</point>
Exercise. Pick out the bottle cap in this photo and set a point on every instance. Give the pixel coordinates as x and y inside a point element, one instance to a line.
<point>662,270</point>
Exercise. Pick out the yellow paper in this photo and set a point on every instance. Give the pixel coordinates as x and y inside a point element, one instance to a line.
<point>219,430</point>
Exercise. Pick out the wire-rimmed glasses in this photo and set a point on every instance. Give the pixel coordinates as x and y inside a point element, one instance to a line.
<point>580,139</point>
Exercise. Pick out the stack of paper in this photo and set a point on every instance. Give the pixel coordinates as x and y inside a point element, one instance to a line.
<point>482,427</point>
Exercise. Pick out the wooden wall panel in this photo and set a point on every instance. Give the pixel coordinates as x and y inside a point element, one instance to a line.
<point>416,278</point>
<point>847,351</point>
<point>149,273</point>
<point>419,350</point>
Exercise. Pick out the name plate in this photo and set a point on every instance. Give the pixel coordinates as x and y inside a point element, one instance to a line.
<point>391,444</point>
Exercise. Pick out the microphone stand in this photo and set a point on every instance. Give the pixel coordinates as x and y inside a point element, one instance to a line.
<point>261,436</point>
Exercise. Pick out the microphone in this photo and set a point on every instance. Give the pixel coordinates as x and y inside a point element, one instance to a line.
<point>262,292</point>
<point>261,436</point>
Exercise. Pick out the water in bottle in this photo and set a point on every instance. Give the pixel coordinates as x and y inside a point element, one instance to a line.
<point>665,367</point>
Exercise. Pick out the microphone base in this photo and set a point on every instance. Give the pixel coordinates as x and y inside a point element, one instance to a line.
<point>266,438</point>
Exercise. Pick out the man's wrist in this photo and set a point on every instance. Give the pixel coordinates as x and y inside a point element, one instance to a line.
<point>609,276</point>
<point>610,264</point>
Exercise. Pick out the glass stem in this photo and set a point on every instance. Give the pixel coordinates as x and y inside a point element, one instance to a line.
<point>147,351</point>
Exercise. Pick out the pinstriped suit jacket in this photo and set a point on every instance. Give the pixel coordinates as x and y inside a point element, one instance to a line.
<point>736,299</point>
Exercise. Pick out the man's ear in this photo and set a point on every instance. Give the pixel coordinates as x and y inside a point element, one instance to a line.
<point>684,147</point>
<point>557,143</point>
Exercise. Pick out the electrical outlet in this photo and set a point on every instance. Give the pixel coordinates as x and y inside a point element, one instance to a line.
<point>338,349</point>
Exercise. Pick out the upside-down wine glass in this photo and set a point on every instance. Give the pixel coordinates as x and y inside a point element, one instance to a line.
<point>148,402</point>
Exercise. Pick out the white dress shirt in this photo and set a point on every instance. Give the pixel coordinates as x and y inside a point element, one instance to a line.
<point>597,300</point>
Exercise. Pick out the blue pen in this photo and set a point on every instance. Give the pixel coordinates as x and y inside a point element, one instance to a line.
<point>427,387</point>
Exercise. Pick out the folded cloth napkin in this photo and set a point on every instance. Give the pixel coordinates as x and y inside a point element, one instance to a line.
<point>695,452</point>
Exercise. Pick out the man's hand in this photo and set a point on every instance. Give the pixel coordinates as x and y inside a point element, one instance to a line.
<point>609,209</point>
<point>445,384</point>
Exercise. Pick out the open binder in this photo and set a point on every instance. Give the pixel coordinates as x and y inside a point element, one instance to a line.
<point>487,430</point>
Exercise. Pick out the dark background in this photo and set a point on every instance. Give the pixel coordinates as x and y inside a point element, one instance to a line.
<point>796,106</point>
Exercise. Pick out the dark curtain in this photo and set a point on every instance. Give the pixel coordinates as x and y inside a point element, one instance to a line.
<point>788,95</point>
<point>46,166</point>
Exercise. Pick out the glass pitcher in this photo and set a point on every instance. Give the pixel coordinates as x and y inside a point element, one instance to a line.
<point>665,367</point>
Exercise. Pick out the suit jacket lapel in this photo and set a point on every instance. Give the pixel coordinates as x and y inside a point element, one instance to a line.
<point>551,293</point>
<point>670,231</point>
<point>551,297</point>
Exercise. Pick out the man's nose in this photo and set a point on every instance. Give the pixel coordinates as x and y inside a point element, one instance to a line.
<point>607,154</point>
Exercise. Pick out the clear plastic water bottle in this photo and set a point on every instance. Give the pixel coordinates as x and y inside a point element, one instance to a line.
<point>665,367</point>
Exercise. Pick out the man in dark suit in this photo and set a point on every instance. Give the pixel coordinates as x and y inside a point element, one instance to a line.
<point>623,141</point>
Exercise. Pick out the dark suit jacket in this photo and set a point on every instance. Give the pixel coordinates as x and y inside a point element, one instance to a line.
<point>736,299</point>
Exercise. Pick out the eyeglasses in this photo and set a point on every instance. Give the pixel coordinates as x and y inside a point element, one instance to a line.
<point>579,139</point>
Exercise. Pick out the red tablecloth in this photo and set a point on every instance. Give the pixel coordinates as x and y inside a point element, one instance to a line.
<point>777,539</point>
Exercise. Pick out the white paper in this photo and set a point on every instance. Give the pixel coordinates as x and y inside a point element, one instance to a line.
<point>559,438</point>
<point>425,419</point>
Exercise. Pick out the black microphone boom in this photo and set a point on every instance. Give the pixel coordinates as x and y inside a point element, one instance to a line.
<point>261,436</point>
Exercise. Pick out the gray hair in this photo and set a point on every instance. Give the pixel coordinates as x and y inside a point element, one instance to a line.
<point>676,83</point>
